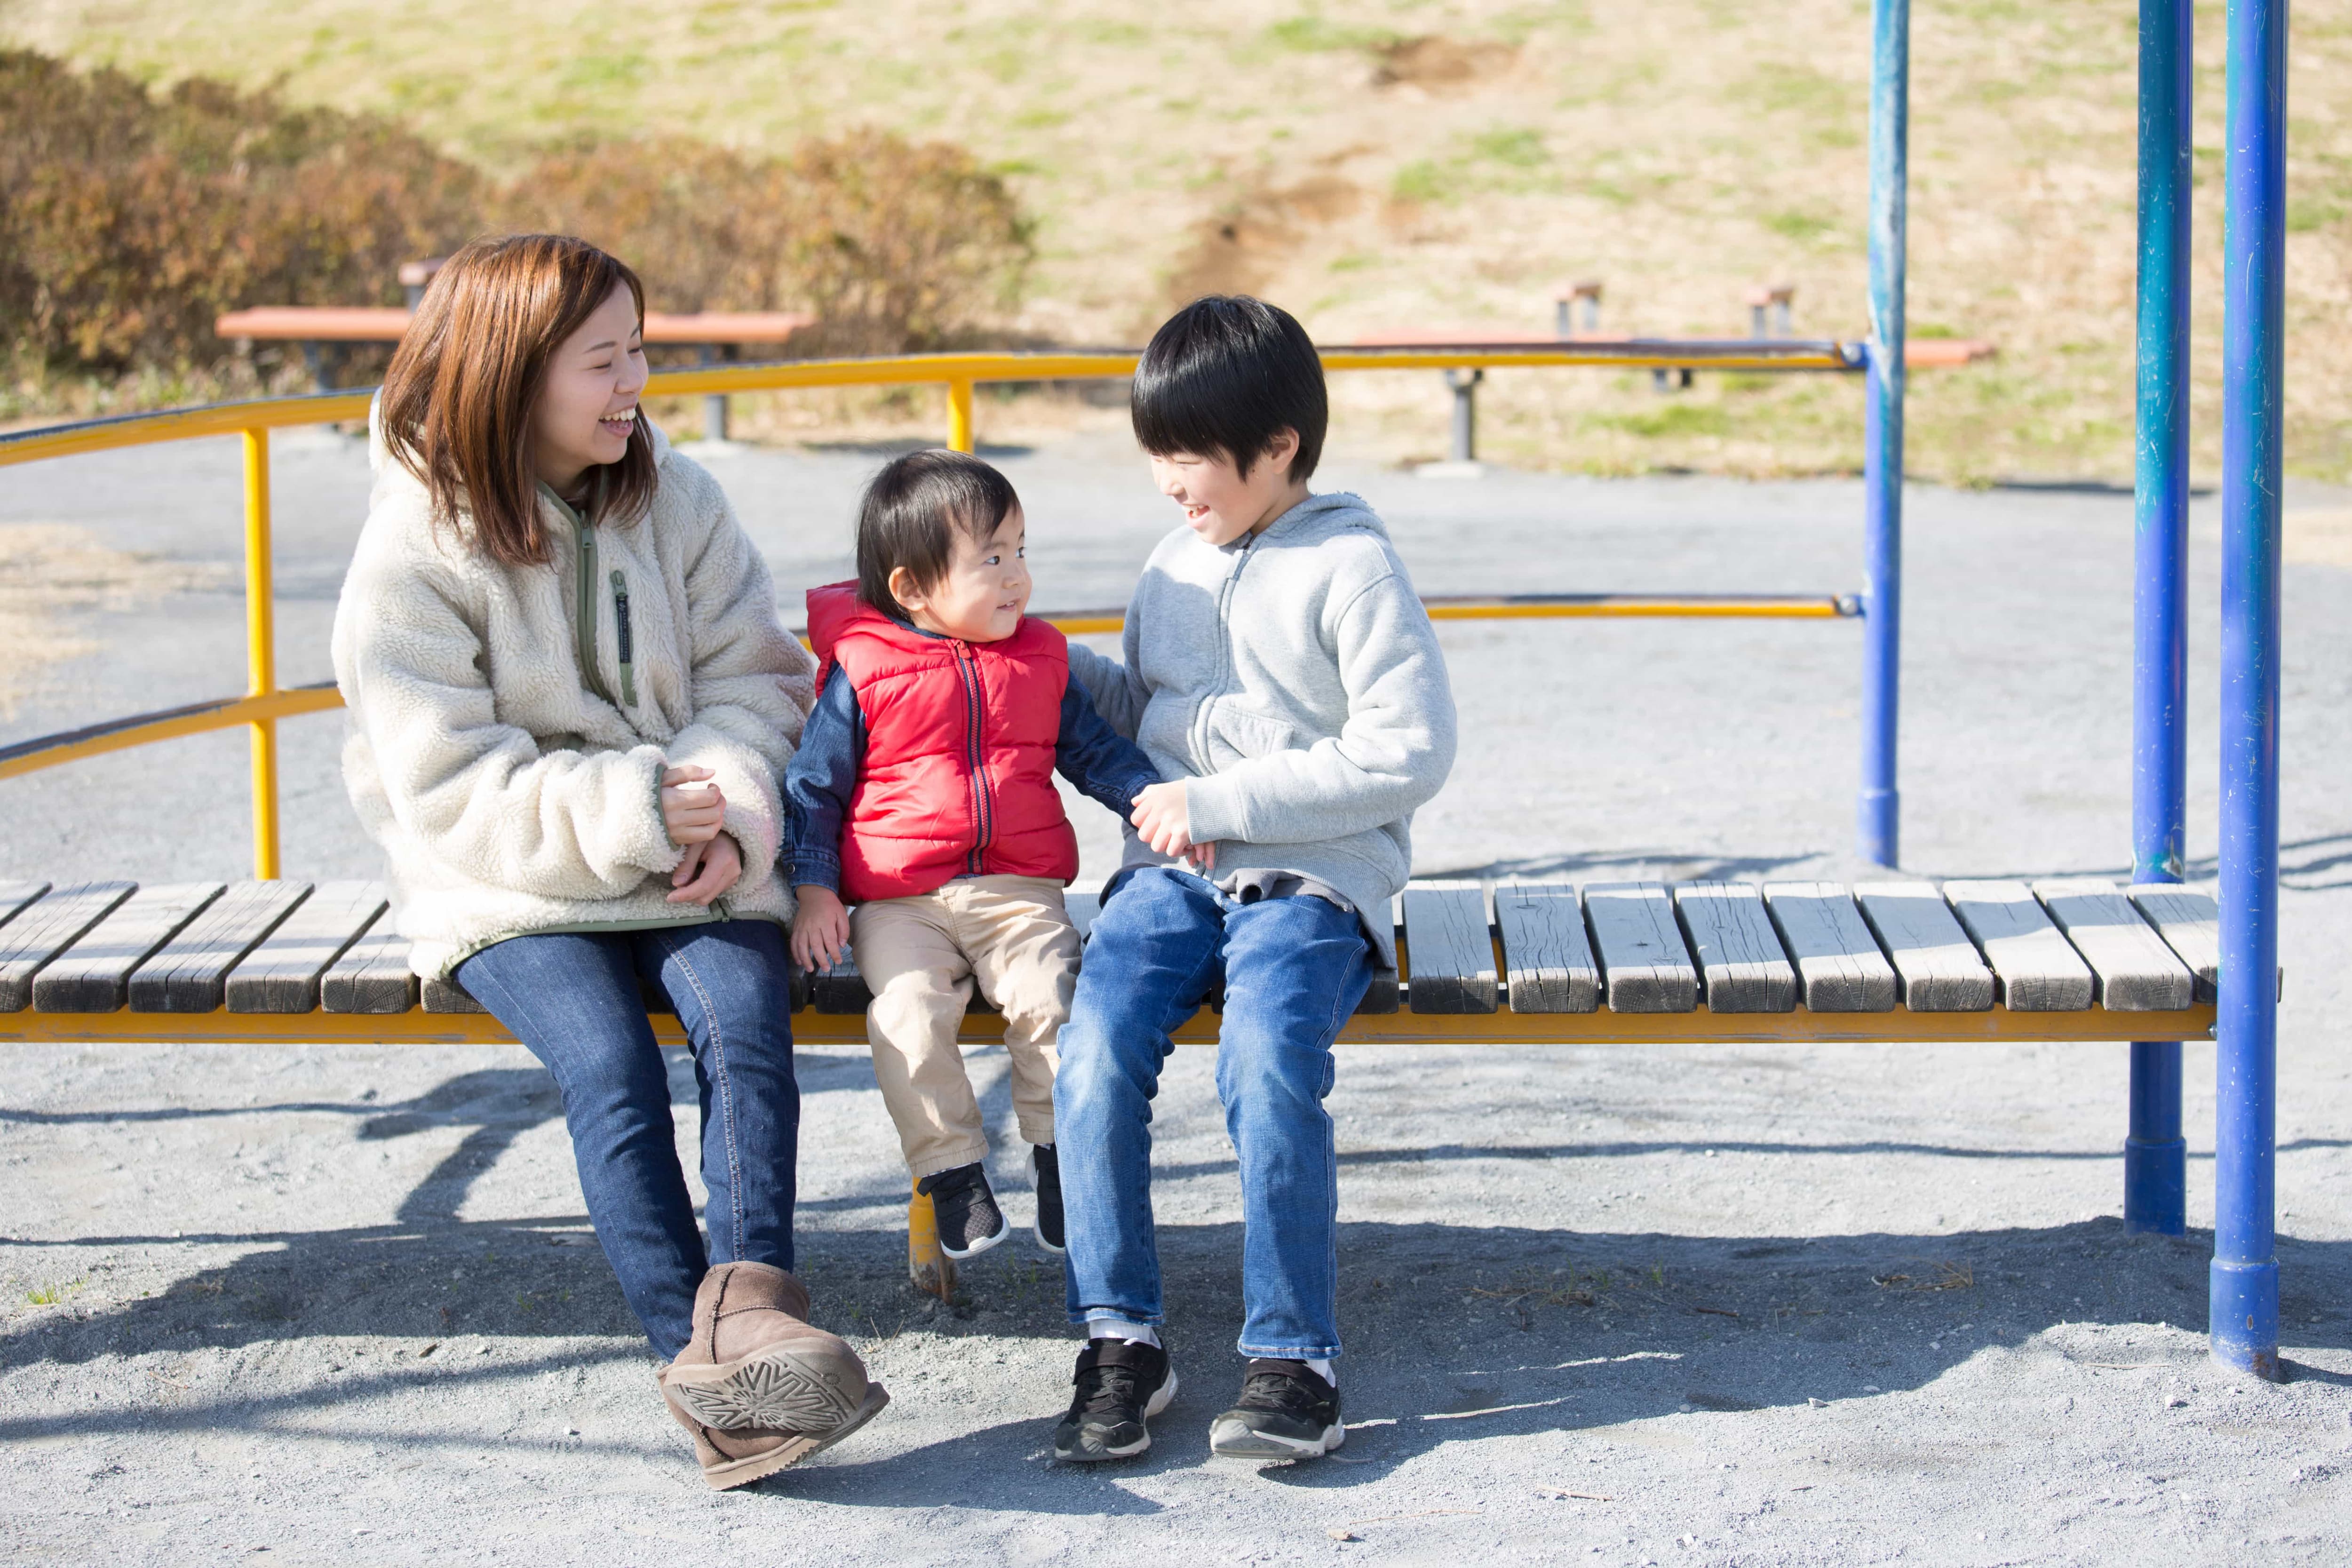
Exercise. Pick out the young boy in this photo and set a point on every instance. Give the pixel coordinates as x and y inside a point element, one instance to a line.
<point>1281,672</point>
<point>923,794</point>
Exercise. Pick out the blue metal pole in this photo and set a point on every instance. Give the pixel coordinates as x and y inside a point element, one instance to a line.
<point>1877,808</point>
<point>2156,1156</point>
<point>2245,1287</point>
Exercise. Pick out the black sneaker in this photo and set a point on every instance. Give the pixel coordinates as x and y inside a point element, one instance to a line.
<point>969,1220</point>
<point>1285,1412</point>
<point>1045,1176</point>
<point>1119,1384</point>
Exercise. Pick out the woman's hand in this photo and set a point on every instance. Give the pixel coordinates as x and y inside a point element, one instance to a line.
<point>692,815</point>
<point>820,928</point>
<point>1163,819</point>
<point>707,870</point>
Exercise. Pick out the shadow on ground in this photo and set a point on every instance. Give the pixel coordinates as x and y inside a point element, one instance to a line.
<point>1458,1331</point>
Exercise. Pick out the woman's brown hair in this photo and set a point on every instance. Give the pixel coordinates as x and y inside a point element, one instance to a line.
<point>457,404</point>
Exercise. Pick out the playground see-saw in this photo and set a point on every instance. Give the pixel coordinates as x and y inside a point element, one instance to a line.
<point>2147,964</point>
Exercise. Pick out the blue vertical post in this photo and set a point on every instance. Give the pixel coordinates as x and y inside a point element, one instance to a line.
<point>1877,810</point>
<point>2156,1156</point>
<point>2245,1287</point>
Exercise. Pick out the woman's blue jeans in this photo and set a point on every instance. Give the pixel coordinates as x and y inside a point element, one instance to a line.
<point>577,1001</point>
<point>1293,969</point>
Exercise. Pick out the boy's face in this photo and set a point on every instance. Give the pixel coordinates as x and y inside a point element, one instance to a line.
<point>984,591</point>
<point>1221,503</point>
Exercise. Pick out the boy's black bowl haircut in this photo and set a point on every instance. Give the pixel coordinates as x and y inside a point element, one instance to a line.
<point>909,513</point>
<point>1223,377</point>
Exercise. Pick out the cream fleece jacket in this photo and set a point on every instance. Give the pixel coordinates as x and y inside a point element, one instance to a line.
<point>513,791</point>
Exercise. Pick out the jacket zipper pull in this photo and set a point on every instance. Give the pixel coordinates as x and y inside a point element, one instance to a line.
<point>621,623</point>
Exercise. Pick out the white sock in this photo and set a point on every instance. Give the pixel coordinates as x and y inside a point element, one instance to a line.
<point>1120,1329</point>
<point>1322,1369</point>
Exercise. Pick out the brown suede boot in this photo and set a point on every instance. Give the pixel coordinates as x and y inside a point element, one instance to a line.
<point>757,1386</point>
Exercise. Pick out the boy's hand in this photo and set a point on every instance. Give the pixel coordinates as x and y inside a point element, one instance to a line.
<point>707,870</point>
<point>692,815</point>
<point>1203,856</point>
<point>820,928</point>
<point>1163,819</point>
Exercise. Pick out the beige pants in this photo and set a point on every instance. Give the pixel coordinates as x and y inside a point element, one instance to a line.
<point>920,957</point>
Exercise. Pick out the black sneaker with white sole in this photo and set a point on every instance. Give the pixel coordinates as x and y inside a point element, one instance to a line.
<point>1045,1177</point>
<point>1120,1383</point>
<point>969,1220</point>
<point>1285,1412</point>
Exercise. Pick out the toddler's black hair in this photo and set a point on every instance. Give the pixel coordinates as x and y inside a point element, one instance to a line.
<point>1223,376</point>
<point>910,512</point>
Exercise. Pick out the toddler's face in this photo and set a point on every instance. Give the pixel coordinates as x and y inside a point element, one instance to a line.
<point>1221,503</point>
<point>984,592</point>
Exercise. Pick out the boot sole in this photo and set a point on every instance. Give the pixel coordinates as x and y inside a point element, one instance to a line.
<point>771,1389</point>
<point>1233,1440</point>
<point>743,1472</point>
<point>1160,1399</point>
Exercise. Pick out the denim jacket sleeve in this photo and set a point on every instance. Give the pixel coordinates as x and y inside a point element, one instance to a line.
<point>1105,766</point>
<point>819,780</point>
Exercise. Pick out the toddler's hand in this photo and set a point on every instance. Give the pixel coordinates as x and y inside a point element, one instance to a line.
<point>1163,819</point>
<point>692,815</point>
<point>820,928</point>
<point>706,871</point>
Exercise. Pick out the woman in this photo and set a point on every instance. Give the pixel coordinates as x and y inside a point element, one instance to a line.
<point>570,700</point>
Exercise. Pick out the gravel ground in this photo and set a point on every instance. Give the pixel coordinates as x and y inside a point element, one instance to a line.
<point>1673,1305</point>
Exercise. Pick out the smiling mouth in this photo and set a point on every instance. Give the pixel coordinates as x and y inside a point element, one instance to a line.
<point>620,424</point>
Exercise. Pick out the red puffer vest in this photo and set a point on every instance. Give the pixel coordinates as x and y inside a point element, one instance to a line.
<point>957,776</point>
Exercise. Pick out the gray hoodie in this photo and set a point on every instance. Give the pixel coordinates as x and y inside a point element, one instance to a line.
<point>1294,681</point>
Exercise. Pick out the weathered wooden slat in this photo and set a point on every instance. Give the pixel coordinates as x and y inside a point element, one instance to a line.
<point>2135,972</point>
<point>447,996</point>
<point>2190,924</point>
<point>371,976</point>
<point>2039,970</point>
<point>1451,948</point>
<point>190,972</point>
<point>47,929</point>
<point>1838,960</point>
<point>281,975</point>
<point>840,989</point>
<point>1643,958</point>
<point>93,976</point>
<point>1547,955</point>
<point>1938,967</point>
<point>14,896</point>
<point>1742,965</point>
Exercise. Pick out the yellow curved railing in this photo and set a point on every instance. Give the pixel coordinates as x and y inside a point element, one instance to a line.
<point>264,703</point>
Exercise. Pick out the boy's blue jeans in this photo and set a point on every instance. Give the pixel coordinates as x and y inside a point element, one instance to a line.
<point>1294,969</point>
<point>573,999</point>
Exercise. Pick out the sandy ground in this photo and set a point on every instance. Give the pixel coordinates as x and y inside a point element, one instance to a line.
<point>1607,1305</point>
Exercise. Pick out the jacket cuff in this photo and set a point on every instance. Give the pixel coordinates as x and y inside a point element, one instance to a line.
<point>1213,811</point>
<point>815,868</point>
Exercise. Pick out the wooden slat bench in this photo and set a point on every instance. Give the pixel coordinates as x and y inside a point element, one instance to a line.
<point>2064,959</point>
<point>1539,962</point>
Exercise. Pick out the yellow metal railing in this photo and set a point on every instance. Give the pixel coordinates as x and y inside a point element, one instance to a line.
<point>263,704</point>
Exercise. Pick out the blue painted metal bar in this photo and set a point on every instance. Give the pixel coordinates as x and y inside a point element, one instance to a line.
<point>1878,809</point>
<point>2156,1156</point>
<point>2244,1280</point>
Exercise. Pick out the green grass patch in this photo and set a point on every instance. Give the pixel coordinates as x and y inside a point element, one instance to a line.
<point>1675,420</point>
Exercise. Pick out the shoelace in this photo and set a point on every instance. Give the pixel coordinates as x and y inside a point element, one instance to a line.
<point>1275,1391</point>
<point>1103,1390</point>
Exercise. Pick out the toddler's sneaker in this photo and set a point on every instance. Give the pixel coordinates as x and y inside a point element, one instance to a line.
<point>969,1222</point>
<point>1046,1179</point>
<point>1285,1412</point>
<point>1121,1383</point>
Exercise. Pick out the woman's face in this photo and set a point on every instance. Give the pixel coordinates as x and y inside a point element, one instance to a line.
<point>588,405</point>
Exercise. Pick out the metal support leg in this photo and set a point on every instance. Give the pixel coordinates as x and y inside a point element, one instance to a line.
<point>2245,1283</point>
<point>1877,808</point>
<point>931,1270</point>
<point>714,404</point>
<point>261,651</point>
<point>2156,1156</point>
<point>314,360</point>
<point>1465,413</point>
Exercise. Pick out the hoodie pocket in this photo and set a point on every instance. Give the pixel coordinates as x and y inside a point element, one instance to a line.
<point>625,639</point>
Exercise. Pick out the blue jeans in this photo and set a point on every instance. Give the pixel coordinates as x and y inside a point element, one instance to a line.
<point>574,999</point>
<point>1293,969</point>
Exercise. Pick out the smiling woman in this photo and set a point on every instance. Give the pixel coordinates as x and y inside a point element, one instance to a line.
<point>571,700</point>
